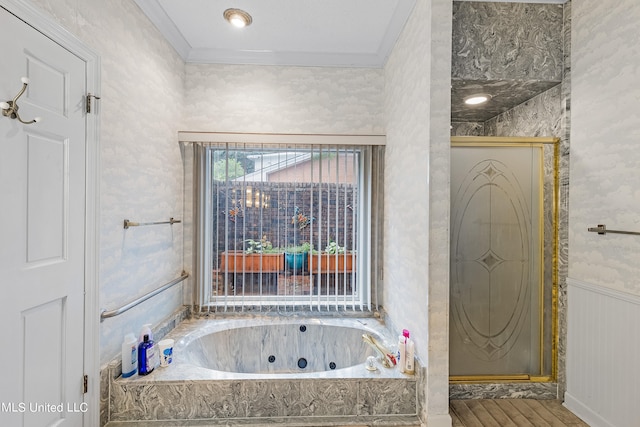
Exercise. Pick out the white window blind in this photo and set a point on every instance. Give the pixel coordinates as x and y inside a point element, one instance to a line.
<point>284,227</point>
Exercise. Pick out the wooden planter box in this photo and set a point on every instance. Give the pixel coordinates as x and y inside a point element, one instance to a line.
<point>331,263</point>
<point>239,262</point>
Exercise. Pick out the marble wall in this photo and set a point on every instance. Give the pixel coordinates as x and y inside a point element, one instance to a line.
<point>512,51</point>
<point>467,129</point>
<point>416,291</point>
<point>142,80</point>
<point>538,116</point>
<point>507,41</point>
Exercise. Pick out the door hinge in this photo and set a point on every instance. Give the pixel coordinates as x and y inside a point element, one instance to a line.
<point>88,101</point>
<point>85,384</point>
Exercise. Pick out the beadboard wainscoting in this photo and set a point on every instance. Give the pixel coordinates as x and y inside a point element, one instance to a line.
<point>602,355</point>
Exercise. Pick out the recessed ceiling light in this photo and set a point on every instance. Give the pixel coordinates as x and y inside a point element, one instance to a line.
<point>237,17</point>
<point>477,98</point>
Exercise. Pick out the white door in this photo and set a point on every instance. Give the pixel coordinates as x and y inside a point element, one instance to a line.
<point>42,231</point>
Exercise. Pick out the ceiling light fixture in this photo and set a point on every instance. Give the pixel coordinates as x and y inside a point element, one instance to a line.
<point>237,17</point>
<point>478,98</point>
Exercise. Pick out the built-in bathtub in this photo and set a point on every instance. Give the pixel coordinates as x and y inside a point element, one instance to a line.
<point>269,369</point>
<point>302,347</point>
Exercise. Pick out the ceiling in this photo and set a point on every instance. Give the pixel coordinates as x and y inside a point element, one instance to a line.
<point>341,33</point>
<point>328,33</point>
<point>505,94</point>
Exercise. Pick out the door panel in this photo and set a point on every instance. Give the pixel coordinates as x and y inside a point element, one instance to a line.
<point>496,244</point>
<point>42,226</point>
<point>47,201</point>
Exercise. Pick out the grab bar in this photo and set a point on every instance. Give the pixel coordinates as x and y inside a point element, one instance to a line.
<point>602,229</point>
<point>128,223</point>
<point>104,314</point>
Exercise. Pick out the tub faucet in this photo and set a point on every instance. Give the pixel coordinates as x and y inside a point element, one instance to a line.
<point>387,359</point>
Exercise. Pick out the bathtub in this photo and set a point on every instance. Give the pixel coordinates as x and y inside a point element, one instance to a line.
<point>264,348</point>
<point>270,369</point>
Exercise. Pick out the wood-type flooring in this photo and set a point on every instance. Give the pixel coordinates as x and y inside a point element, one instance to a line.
<point>512,413</point>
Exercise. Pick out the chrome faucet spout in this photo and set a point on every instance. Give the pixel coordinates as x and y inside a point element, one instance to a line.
<point>387,359</point>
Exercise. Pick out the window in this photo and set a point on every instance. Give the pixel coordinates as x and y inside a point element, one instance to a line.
<point>286,226</point>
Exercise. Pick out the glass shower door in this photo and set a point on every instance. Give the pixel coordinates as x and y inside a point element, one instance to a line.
<point>497,261</point>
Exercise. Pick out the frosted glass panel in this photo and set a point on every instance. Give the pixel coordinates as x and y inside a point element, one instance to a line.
<point>496,261</point>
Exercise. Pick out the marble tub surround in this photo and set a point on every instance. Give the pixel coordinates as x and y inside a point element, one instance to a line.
<point>395,421</point>
<point>113,369</point>
<point>187,390</point>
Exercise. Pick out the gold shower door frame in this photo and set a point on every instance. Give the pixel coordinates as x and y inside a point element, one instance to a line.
<point>472,141</point>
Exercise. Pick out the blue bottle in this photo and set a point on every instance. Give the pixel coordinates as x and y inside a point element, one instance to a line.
<point>147,356</point>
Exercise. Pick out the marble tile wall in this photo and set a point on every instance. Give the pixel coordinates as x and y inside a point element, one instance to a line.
<point>563,232</point>
<point>262,399</point>
<point>507,41</point>
<point>467,129</point>
<point>512,51</point>
<point>504,391</point>
<point>538,116</point>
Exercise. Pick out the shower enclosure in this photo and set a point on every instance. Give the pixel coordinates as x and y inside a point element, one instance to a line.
<point>503,259</point>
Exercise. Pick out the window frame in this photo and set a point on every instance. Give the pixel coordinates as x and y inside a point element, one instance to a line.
<point>369,235</point>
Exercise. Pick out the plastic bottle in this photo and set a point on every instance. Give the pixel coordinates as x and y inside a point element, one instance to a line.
<point>402,350</point>
<point>129,356</point>
<point>146,330</point>
<point>147,356</point>
<point>410,354</point>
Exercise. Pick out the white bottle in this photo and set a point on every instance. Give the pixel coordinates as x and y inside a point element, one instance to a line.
<point>409,354</point>
<point>129,356</point>
<point>146,330</point>
<point>402,350</point>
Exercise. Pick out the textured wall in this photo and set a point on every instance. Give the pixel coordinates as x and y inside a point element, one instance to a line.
<point>467,129</point>
<point>539,116</point>
<point>605,179</point>
<point>279,99</point>
<point>507,41</point>
<point>604,189</point>
<point>141,169</point>
<point>416,294</point>
<point>512,51</point>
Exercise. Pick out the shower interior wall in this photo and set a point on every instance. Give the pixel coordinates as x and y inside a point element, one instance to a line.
<point>544,115</point>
